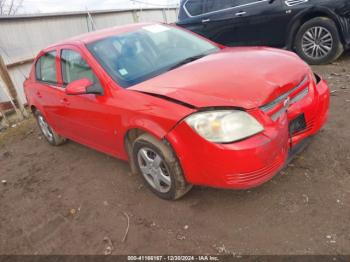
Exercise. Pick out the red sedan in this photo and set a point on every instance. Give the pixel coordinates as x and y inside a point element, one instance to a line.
<point>182,110</point>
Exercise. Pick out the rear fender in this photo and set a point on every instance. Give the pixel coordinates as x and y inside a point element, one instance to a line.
<point>312,12</point>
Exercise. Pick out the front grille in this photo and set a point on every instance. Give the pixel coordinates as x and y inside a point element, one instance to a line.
<point>294,100</point>
<point>298,125</point>
<point>283,97</point>
<point>281,104</point>
<point>300,96</point>
<point>309,126</point>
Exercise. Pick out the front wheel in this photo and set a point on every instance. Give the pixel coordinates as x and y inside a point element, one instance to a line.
<point>159,168</point>
<point>318,41</point>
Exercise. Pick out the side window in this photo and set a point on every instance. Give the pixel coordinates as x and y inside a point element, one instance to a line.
<point>194,7</point>
<point>45,68</point>
<point>74,67</point>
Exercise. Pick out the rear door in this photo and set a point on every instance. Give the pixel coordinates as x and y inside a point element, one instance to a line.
<point>264,23</point>
<point>48,90</point>
<point>243,22</point>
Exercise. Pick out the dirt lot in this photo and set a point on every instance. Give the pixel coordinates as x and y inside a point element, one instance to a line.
<point>73,200</point>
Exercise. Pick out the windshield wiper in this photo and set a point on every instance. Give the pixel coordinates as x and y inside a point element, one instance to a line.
<point>186,61</point>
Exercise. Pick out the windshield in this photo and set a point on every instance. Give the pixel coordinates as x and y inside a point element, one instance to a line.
<point>150,51</point>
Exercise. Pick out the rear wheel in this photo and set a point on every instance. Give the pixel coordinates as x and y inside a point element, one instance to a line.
<point>50,135</point>
<point>318,41</point>
<point>159,168</point>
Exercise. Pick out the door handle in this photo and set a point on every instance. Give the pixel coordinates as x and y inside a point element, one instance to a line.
<point>241,13</point>
<point>39,94</point>
<point>205,20</point>
<point>65,101</point>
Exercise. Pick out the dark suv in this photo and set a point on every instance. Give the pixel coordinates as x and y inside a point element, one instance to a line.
<point>318,30</point>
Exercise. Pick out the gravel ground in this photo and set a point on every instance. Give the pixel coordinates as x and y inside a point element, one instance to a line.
<point>74,200</point>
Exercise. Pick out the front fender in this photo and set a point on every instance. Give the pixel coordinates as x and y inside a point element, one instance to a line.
<point>158,127</point>
<point>148,126</point>
<point>135,127</point>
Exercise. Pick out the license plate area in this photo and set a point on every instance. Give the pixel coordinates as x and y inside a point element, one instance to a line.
<point>297,125</point>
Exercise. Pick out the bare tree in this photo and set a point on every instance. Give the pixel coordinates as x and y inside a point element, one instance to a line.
<point>10,7</point>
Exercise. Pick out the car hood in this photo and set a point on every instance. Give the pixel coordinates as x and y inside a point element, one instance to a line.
<point>236,77</point>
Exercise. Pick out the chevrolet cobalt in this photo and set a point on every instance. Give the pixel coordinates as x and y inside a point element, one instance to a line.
<point>181,109</point>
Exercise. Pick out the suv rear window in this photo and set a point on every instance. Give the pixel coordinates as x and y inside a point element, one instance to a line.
<point>194,7</point>
<point>45,68</point>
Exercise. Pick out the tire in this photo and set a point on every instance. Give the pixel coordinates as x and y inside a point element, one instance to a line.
<point>167,181</point>
<point>327,50</point>
<point>50,135</point>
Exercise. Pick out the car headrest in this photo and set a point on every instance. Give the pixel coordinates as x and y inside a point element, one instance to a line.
<point>129,48</point>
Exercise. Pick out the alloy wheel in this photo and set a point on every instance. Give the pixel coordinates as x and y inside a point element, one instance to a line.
<point>154,169</point>
<point>45,128</point>
<point>317,42</point>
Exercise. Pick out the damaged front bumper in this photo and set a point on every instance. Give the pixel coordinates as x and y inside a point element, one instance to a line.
<point>251,162</point>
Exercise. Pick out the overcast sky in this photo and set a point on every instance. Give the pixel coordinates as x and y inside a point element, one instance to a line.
<point>45,6</point>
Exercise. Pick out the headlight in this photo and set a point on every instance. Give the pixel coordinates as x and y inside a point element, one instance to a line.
<point>224,126</point>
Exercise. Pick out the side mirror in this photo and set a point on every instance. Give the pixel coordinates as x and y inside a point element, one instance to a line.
<point>78,87</point>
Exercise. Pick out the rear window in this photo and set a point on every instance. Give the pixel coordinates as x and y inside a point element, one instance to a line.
<point>45,68</point>
<point>194,7</point>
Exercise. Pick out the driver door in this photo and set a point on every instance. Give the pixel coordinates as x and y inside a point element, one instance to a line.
<point>264,23</point>
<point>88,120</point>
